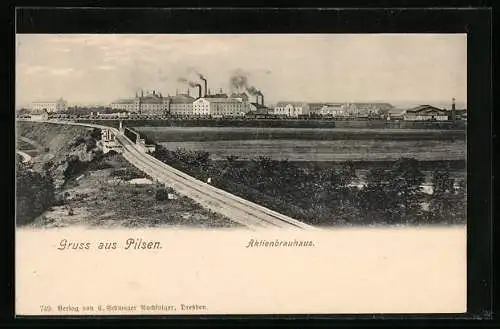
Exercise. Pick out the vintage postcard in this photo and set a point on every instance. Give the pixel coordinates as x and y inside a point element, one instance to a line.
<point>206,174</point>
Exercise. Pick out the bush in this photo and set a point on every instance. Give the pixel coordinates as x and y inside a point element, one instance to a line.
<point>127,173</point>
<point>77,141</point>
<point>162,195</point>
<point>96,134</point>
<point>35,193</point>
<point>47,165</point>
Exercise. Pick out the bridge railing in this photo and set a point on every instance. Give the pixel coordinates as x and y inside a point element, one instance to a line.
<point>132,135</point>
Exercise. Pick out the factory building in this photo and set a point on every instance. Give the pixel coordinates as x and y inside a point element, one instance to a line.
<point>128,105</point>
<point>291,109</point>
<point>395,114</point>
<point>426,113</point>
<point>219,107</point>
<point>316,107</point>
<point>243,97</point>
<point>367,109</point>
<point>219,94</point>
<point>152,104</point>
<point>181,105</point>
<point>256,107</point>
<point>50,106</point>
<point>332,110</point>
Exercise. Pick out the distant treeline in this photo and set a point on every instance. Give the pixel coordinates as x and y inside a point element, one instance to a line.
<point>326,196</point>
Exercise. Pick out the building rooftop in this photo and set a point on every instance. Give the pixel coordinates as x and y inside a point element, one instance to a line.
<point>181,99</point>
<point>260,106</point>
<point>375,104</point>
<point>124,101</point>
<point>216,96</point>
<point>283,103</point>
<point>221,100</point>
<point>333,105</point>
<point>395,111</point>
<point>151,99</point>
<point>421,108</point>
<point>239,95</point>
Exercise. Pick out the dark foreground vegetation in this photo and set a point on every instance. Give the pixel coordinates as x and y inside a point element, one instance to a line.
<point>36,191</point>
<point>326,196</point>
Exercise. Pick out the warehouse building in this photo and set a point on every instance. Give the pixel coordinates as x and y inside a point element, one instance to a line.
<point>367,109</point>
<point>395,114</point>
<point>129,105</point>
<point>291,109</point>
<point>154,103</point>
<point>219,107</point>
<point>181,105</point>
<point>242,97</point>
<point>427,113</point>
<point>332,110</point>
<point>50,106</point>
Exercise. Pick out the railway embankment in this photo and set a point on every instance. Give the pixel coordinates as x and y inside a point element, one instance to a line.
<point>71,182</point>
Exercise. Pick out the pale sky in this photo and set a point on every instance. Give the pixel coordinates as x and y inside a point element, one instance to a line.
<point>99,68</point>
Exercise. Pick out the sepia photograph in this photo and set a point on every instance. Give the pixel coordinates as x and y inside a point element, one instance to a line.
<point>231,131</point>
<point>202,174</point>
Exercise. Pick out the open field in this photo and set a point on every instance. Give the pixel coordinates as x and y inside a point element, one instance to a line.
<point>305,144</point>
<point>335,150</point>
<point>199,134</point>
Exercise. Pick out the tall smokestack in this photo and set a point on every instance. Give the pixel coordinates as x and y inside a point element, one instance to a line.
<point>453,109</point>
<point>256,98</point>
<point>205,82</point>
<point>199,90</point>
<point>261,98</point>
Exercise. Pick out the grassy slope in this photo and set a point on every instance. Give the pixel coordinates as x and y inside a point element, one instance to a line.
<point>98,200</point>
<point>53,136</point>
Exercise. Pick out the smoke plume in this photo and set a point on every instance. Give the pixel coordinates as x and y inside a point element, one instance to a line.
<point>190,83</point>
<point>239,83</point>
<point>253,91</point>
